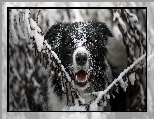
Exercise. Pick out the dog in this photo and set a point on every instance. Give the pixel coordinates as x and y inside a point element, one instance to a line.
<point>81,47</point>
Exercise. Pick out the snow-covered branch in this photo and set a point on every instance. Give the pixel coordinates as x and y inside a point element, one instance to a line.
<point>120,77</point>
<point>133,36</point>
<point>50,59</point>
<point>134,39</point>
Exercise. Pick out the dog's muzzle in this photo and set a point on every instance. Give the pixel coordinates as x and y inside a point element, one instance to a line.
<point>81,66</point>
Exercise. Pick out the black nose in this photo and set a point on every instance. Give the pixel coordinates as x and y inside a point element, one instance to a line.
<point>81,59</point>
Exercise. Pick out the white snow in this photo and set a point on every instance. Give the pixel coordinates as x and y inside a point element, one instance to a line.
<point>93,106</point>
<point>132,78</point>
<point>13,33</point>
<point>116,32</point>
<point>122,84</point>
<point>116,16</point>
<point>34,32</point>
<point>107,96</point>
<point>76,106</point>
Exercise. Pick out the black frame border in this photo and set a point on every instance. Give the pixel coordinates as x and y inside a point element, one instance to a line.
<point>8,8</point>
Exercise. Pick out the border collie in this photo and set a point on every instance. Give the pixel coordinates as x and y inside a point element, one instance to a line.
<point>81,47</point>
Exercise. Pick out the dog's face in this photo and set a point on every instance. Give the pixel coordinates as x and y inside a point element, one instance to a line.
<point>81,47</point>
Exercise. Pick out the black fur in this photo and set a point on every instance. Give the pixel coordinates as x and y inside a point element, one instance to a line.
<point>60,35</point>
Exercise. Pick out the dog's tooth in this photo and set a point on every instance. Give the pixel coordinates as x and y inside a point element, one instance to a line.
<point>87,75</point>
<point>76,77</point>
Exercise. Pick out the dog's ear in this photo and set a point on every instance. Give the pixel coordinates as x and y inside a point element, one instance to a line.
<point>100,28</point>
<point>100,32</point>
<point>55,34</point>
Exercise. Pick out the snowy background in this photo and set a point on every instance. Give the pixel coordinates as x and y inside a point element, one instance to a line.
<point>33,78</point>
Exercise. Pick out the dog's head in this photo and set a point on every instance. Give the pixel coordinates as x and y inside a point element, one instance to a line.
<point>81,47</point>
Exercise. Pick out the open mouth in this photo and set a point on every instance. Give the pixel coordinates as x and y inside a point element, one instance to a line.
<point>81,78</point>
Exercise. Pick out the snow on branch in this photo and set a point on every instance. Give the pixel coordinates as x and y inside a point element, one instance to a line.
<point>133,37</point>
<point>50,59</point>
<point>26,29</point>
<point>120,77</point>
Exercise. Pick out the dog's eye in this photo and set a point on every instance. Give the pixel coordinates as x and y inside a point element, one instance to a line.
<point>90,44</point>
<point>69,45</point>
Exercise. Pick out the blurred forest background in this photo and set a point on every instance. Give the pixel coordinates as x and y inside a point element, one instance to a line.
<point>27,77</point>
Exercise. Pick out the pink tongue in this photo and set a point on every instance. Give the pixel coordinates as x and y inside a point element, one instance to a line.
<point>81,76</point>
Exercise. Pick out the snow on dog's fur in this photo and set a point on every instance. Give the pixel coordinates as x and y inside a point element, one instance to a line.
<point>81,47</point>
